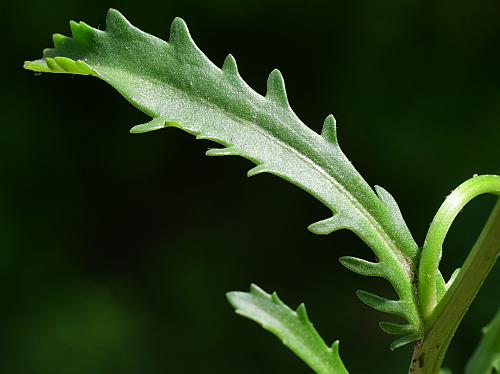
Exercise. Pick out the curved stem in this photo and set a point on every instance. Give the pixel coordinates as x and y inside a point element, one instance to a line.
<point>429,275</point>
<point>444,320</point>
<point>443,316</point>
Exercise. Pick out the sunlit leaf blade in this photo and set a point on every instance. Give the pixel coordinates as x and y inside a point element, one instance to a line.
<point>292,327</point>
<point>178,86</point>
<point>486,358</point>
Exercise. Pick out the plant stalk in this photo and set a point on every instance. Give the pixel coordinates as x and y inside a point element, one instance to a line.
<point>440,328</point>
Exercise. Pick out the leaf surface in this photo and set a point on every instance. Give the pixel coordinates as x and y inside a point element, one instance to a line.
<point>178,86</point>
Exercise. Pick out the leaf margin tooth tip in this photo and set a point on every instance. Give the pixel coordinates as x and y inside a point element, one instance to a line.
<point>259,169</point>
<point>114,19</point>
<point>329,129</point>
<point>328,225</point>
<point>230,66</point>
<point>179,33</point>
<point>224,151</point>
<point>156,123</point>
<point>276,90</point>
<point>362,267</point>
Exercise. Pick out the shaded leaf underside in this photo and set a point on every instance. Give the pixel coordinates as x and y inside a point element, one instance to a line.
<point>177,85</point>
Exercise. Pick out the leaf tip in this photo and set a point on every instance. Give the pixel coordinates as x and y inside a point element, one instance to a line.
<point>233,297</point>
<point>36,66</point>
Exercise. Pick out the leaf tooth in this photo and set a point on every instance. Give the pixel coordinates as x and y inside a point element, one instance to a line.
<point>404,340</point>
<point>275,299</point>
<point>60,41</point>
<point>395,328</point>
<point>83,32</point>
<point>261,168</point>
<point>65,63</point>
<point>387,199</point>
<point>155,124</point>
<point>71,66</point>
<point>202,137</point>
<point>230,67</point>
<point>116,22</point>
<point>75,28</point>
<point>84,68</point>
<point>363,267</point>
<point>207,137</point>
<point>391,204</point>
<point>329,225</point>
<point>53,66</point>
<point>228,151</point>
<point>276,91</point>
<point>381,303</point>
<point>302,313</point>
<point>49,52</point>
<point>258,292</point>
<point>180,37</point>
<point>329,130</point>
<point>335,347</point>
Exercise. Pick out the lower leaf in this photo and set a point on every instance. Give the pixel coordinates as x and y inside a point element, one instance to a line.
<point>292,327</point>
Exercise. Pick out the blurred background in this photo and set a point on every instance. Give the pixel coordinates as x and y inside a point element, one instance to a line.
<point>117,249</point>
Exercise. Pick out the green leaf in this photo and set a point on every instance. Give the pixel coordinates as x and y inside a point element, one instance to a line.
<point>177,85</point>
<point>486,358</point>
<point>292,327</point>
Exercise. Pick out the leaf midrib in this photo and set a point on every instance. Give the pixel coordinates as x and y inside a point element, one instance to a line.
<point>398,255</point>
<point>358,206</point>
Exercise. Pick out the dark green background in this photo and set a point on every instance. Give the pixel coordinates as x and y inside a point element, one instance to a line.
<point>117,249</point>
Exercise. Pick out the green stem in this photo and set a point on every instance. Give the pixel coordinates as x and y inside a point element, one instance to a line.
<point>445,318</point>
<point>429,275</point>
